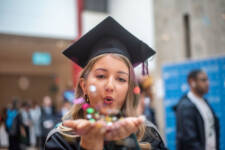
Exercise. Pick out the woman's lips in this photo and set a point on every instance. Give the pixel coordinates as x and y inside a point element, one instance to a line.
<point>108,100</point>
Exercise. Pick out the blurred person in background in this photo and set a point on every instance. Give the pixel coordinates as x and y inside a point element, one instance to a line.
<point>14,125</point>
<point>66,106</point>
<point>35,113</point>
<point>3,134</point>
<point>197,125</point>
<point>146,98</point>
<point>48,118</point>
<point>26,120</point>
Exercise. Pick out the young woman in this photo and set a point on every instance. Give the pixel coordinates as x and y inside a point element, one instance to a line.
<point>107,119</point>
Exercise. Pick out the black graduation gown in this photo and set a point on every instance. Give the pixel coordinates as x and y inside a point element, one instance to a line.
<point>56,141</point>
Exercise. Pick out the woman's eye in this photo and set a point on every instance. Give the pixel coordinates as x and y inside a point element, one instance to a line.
<point>100,76</point>
<point>122,80</point>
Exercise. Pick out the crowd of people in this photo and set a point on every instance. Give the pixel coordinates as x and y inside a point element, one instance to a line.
<point>27,124</point>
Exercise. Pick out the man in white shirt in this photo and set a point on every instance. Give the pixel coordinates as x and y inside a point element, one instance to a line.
<point>197,126</point>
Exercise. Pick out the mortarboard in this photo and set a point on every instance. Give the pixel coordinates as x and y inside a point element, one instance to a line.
<point>108,37</point>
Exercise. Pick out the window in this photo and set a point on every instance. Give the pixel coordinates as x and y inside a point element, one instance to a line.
<point>187,40</point>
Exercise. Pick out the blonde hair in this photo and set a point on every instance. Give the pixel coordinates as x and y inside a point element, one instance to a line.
<point>129,107</point>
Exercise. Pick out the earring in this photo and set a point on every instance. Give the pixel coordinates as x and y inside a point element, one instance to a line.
<point>86,98</point>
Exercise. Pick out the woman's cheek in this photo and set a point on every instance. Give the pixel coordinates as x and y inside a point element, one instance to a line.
<point>124,88</point>
<point>123,91</point>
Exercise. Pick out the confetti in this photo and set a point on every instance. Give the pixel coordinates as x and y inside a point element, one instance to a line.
<point>92,120</point>
<point>90,110</point>
<point>112,111</point>
<point>85,106</point>
<point>109,123</point>
<point>79,100</point>
<point>89,116</point>
<point>92,88</point>
<point>94,115</point>
<point>59,124</point>
<point>121,118</point>
<point>97,116</point>
<point>114,118</point>
<point>136,90</point>
<point>108,119</point>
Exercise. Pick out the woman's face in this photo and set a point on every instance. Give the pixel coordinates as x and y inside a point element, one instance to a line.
<point>107,84</point>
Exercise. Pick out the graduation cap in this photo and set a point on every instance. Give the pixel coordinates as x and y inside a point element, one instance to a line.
<point>108,37</point>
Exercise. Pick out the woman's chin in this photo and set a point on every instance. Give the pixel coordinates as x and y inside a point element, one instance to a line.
<point>109,111</point>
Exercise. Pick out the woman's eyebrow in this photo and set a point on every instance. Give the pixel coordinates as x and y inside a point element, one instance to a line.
<point>101,69</point>
<point>105,70</point>
<point>122,72</point>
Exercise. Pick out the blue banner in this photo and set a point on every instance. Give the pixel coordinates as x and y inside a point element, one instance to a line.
<point>175,85</point>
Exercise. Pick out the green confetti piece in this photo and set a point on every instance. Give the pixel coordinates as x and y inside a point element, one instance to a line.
<point>92,120</point>
<point>97,116</point>
<point>90,110</point>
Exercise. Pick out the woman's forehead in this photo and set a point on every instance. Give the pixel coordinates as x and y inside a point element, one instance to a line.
<point>111,62</point>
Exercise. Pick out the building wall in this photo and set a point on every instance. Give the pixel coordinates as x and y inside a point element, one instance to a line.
<point>30,88</point>
<point>207,28</point>
<point>40,81</point>
<point>16,62</point>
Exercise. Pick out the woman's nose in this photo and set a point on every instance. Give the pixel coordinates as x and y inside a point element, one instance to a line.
<point>110,85</point>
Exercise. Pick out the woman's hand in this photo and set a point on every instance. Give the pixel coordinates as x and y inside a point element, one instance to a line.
<point>123,128</point>
<point>92,134</point>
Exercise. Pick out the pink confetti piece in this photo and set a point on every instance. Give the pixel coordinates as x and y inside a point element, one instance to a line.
<point>85,106</point>
<point>79,100</point>
<point>137,90</point>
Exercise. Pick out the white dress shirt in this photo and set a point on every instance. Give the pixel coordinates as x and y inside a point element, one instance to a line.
<point>206,113</point>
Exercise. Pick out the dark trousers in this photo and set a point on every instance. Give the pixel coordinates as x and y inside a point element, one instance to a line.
<point>43,138</point>
<point>38,142</point>
<point>27,138</point>
<point>14,143</point>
